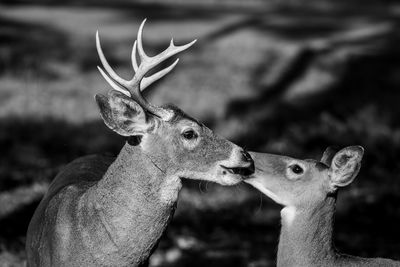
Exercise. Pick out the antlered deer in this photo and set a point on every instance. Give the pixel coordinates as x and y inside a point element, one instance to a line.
<point>103,211</point>
<point>308,189</point>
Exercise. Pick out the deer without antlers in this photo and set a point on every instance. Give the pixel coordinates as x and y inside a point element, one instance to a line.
<point>308,189</point>
<point>103,211</point>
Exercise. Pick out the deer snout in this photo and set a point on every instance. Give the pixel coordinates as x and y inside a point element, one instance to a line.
<point>246,157</point>
<point>268,165</point>
<point>245,165</point>
<point>240,163</point>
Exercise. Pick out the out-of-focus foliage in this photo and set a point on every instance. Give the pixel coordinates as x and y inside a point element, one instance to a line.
<point>275,76</point>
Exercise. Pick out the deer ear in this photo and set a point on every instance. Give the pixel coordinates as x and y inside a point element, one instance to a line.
<point>345,165</point>
<point>122,114</point>
<point>328,155</point>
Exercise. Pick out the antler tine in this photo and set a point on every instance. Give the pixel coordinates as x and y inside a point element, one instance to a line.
<point>107,66</point>
<point>113,84</point>
<point>167,53</point>
<point>142,54</point>
<point>154,61</point>
<point>147,62</point>
<point>133,58</point>
<point>146,81</point>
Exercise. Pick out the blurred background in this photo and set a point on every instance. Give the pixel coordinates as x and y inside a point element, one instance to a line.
<point>289,77</point>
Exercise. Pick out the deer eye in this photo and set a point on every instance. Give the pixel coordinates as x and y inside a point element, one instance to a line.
<point>296,169</point>
<point>189,134</point>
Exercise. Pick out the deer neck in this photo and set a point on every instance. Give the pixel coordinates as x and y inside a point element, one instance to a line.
<point>133,204</point>
<point>138,175</point>
<point>306,235</point>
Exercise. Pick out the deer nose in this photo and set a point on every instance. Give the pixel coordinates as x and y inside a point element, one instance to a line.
<point>246,156</point>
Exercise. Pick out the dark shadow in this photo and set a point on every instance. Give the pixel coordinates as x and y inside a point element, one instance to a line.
<point>14,226</point>
<point>34,151</point>
<point>370,229</point>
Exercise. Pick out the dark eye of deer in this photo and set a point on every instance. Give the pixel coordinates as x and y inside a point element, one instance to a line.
<point>297,169</point>
<point>189,134</point>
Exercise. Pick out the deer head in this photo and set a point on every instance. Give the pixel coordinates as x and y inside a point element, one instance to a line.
<point>178,143</point>
<point>301,183</point>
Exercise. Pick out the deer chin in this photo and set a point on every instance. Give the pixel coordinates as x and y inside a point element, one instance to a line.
<point>227,179</point>
<point>256,184</point>
<point>233,175</point>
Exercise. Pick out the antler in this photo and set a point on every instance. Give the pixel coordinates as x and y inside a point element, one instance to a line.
<point>139,82</point>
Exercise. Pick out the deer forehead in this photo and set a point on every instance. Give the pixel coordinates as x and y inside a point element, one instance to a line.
<point>179,115</point>
<point>186,123</point>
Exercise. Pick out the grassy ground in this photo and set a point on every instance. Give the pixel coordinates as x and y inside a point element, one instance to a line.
<point>230,81</point>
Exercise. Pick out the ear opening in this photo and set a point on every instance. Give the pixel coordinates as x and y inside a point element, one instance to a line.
<point>345,166</point>
<point>122,114</point>
<point>134,140</point>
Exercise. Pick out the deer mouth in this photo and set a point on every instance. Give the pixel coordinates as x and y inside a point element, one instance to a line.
<point>242,171</point>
